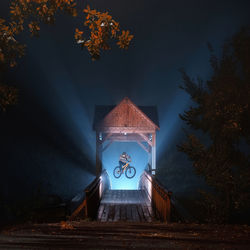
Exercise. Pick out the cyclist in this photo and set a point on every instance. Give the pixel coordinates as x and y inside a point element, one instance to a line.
<point>124,158</point>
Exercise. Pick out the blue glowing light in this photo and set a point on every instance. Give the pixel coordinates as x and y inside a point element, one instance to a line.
<point>110,161</point>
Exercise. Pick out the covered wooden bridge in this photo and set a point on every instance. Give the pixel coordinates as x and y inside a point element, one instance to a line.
<point>130,209</point>
<point>125,123</point>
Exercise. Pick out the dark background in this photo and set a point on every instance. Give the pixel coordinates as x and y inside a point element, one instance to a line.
<point>47,142</point>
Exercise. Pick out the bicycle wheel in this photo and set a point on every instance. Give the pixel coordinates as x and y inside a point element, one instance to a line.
<point>117,172</point>
<point>130,172</point>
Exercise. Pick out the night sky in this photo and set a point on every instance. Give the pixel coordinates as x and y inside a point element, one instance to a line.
<point>47,140</point>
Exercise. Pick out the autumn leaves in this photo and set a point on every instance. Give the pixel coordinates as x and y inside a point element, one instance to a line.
<point>30,14</point>
<point>102,29</point>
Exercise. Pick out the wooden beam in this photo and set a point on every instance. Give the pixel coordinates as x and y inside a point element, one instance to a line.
<point>128,130</point>
<point>146,139</point>
<point>153,153</point>
<point>106,137</point>
<point>109,143</point>
<point>127,137</point>
<point>98,155</point>
<point>78,210</point>
<point>143,146</point>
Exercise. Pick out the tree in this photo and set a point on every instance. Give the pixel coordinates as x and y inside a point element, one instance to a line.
<point>29,14</point>
<point>222,113</point>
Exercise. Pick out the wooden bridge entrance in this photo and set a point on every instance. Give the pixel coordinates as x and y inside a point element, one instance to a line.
<point>150,202</point>
<point>126,123</point>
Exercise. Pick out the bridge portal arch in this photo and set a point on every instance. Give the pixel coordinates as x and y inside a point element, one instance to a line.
<point>126,122</point>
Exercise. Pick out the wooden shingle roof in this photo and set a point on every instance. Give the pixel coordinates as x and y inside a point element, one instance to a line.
<point>126,113</point>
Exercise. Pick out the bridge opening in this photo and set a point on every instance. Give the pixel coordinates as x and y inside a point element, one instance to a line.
<point>139,160</point>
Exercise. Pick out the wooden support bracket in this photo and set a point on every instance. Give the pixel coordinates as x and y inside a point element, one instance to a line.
<point>106,137</point>
<point>146,139</point>
<point>109,143</point>
<point>143,146</point>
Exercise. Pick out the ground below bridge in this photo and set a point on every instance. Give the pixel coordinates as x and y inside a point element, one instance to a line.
<point>124,235</point>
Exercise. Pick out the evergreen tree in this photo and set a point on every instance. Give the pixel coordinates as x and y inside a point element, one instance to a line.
<point>221,112</point>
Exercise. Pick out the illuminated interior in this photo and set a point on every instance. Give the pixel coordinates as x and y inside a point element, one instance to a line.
<point>110,161</point>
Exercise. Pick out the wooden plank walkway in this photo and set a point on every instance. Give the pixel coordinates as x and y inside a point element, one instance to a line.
<point>125,205</point>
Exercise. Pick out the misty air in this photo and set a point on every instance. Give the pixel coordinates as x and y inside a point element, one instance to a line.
<point>124,124</point>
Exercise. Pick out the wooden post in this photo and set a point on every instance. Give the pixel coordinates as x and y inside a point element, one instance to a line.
<point>98,154</point>
<point>150,159</point>
<point>153,153</point>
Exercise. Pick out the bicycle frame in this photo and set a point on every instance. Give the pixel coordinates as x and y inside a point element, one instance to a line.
<point>124,167</point>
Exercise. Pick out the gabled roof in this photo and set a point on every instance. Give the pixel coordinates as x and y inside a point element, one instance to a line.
<point>126,113</point>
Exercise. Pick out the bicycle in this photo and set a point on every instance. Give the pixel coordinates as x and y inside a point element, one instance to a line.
<point>129,171</point>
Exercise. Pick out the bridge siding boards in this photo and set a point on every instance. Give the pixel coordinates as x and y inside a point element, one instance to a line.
<point>125,205</point>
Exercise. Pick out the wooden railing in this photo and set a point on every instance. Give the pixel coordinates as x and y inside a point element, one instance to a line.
<point>92,196</point>
<point>159,196</point>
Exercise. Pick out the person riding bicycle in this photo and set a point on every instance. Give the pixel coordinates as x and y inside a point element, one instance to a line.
<point>124,158</point>
<point>124,167</point>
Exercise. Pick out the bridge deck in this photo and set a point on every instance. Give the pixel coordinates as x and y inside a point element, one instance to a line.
<point>125,205</point>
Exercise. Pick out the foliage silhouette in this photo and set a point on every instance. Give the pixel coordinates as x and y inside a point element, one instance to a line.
<point>29,14</point>
<point>222,113</point>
